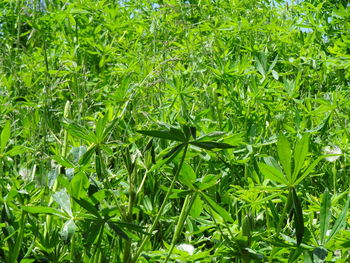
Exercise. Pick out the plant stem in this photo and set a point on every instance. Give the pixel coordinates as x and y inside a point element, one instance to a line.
<point>155,222</point>
<point>180,223</point>
<point>127,245</point>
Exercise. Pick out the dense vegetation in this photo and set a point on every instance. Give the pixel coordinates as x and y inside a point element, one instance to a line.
<point>174,131</point>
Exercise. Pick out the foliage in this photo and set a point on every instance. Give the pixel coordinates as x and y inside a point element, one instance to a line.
<point>131,127</point>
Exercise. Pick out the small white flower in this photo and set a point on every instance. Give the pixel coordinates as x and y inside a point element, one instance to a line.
<point>332,150</point>
<point>187,248</point>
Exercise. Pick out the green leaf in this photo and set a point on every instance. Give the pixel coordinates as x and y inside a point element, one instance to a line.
<point>109,128</point>
<point>16,150</point>
<point>63,161</point>
<point>339,224</point>
<point>307,257</point>
<point>187,131</point>
<point>212,145</point>
<point>78,185</point>
<point>133,227</point>
<point>294,255</point>
<point>285,154</point>
<point>63,199</point>
<point>300,152</point>
<point>173,152</point>
<point>217,208</point>
<point>197,207</point>
<point>319,254</point>
<point>43,210</point>
<point>272,173</point>
<point>167,157</point>
<point>308,170</point>
<point>193,132</point>
<point>100,127</point>
<point>172,134</point>
<point>273,63</point>
<point>81,132</point>
<point>187,176</point>
<point>208,181</point>
<point>118,230</point>
<point>299,220</point>
<point>68,229</point>
<point>5,136</point>
<point>87,155</point>
<point>87,205</point>
<point>325,215</point>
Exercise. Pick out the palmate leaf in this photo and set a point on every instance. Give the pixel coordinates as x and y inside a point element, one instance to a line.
<point>137,228</point>
<point>300,152</point>
<point>172,134</point>
<point>189,131</point>
<point>272,173</point>
<point>308,170</point>
<point>118,230</point>
<point>285,154</point>
<point>43,210</point>
<point>87,205</point>
<point>174,151</point>
<point>81,132</point>
<point>85,159</point>
<point>212,145</point>
<point>187,176</point>
<point>217,208</point>
<point>79,185</point>
<point>16,150</point>
<point>63,199</point>
<point>197,207</point>
<point>63,161</point>
<point>109,128</point>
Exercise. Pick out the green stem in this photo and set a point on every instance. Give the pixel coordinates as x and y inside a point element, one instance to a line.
<point>155,222</point>
<point>127,245</point>
<point>66,113</point>
<point>101,171</point>
<point>180,223</point>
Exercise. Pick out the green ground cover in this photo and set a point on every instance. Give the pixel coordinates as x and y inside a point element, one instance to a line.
<point>174,131</point>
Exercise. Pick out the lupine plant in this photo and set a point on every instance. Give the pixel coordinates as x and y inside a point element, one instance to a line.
<point>174,131</point>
